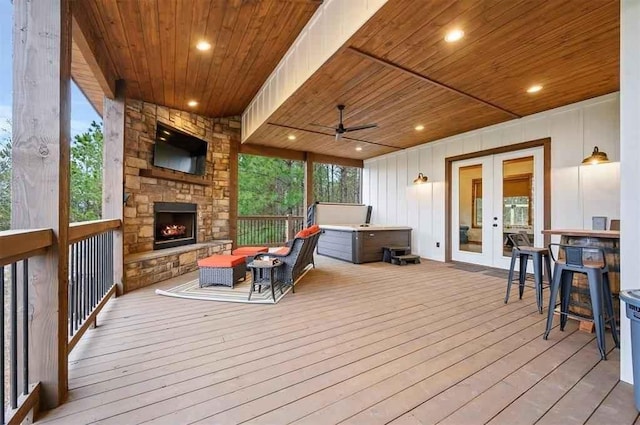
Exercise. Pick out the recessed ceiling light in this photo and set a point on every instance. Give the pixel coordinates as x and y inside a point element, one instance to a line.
<point>534,89</point>
<point>453,35</point>
<point>419,127</point>
<point>291,137</point>
<point>168,133</point>
<point>163,138</point>
<point>203,45</point>
<point>192,103</point>
<point>358,148</point>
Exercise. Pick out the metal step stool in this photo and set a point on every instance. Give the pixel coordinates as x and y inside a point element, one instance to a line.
<point>390,251</point>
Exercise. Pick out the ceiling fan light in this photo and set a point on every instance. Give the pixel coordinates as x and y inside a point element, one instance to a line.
<point>421,179</point>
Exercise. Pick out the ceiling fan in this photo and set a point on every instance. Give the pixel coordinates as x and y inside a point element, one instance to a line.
<point>341,129</point>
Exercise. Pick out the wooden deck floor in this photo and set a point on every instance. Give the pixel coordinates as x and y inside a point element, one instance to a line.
<point>358,344</point>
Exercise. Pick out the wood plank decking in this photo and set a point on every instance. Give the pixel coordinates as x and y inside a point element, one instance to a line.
<point>357,344</point>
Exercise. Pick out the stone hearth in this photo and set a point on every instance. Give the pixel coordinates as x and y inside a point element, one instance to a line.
<point>212,196</point>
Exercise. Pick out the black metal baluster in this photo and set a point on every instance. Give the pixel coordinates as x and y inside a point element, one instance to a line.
<point>25,326</point>
<point>13,351</point>
<point>85,283</point>
<point>72,294</point>
<point>94,274</point>
<point>92,285</point>
<point>2,394</point>
<point>111,279</point>
<point>76,303</point>
<point>102,266</point>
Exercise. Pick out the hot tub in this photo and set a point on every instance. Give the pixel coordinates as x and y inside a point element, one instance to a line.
<point>360,243</point>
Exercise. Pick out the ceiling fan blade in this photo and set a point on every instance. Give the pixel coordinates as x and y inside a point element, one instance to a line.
<point>323,126</point>
<point>361,127</point>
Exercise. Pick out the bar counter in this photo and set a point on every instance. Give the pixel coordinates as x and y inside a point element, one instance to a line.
<point>609,241</point>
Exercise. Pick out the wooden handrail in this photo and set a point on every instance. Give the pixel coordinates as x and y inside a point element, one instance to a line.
<point>25,405</point>
<point>73,341</point>
<point>86,229</point>
<point>16,245</point>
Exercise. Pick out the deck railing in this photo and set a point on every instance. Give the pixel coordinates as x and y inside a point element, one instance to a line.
<point>267,230</point>
<point>16,248</point>
<point>91,282</point>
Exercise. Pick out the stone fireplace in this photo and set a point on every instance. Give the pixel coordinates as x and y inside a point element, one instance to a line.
<point>171,218</point>
<point>174,224</point>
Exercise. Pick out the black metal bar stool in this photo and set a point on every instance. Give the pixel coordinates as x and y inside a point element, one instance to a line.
<point>523,251</point>
<point>598,278</point>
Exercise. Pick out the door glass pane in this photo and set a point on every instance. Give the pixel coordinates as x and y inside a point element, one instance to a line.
<point>470,207</point>
<point>517,200</point>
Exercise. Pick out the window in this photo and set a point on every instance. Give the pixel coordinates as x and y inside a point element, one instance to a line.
<point>517,201</point>
<point>476,199</point>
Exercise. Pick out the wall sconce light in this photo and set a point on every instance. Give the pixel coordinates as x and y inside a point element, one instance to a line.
<point>421,179</point>
<point>596,157</point>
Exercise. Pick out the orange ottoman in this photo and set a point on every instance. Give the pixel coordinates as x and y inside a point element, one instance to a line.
<point>250,251</point>
<point>222,270</point>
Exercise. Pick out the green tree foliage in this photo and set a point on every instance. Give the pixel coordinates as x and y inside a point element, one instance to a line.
<point>270,186</point>
<point>86,175</point>
<point>5,180</point>
<point>335,183</point>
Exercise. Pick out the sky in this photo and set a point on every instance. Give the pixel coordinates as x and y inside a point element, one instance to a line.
<point>82,113</point>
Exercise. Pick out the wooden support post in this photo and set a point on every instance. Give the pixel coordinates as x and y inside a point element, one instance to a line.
<point>308,183</point>
<point>113,175</point>
<point>40,182</point>
<point>233,192</point>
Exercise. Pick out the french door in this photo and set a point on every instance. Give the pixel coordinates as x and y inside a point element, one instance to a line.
<point>494,196</point>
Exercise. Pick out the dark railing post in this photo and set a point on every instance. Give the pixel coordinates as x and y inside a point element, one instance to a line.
<point>13,351</point>
<point>25,326</point>
<point>289,232</point>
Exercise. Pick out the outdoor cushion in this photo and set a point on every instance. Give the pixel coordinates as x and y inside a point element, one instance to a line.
<point>282,251</point>
<point>304,233</point>
<point>221,261</point>
<point>249,250</point>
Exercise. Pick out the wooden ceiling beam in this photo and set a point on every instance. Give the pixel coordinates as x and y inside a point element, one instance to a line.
<point>424,78</point>
<point>295,155</point>
<point>100,66</point>
<point>249,149</point>
<point>336,160</point>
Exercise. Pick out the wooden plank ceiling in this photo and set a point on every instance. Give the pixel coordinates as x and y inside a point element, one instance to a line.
<point>85,80</point>
<point>152,46</point>
<point>383,73</point>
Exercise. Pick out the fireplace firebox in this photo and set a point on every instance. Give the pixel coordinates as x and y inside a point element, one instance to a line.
<point>174,224</point>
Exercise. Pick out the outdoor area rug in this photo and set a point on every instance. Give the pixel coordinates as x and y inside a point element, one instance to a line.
<point>238,294</point>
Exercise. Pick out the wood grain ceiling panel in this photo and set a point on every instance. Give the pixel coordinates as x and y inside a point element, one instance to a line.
<point>372,93</point>
<point>570,47</point>
<point>508,46</point>
<point>152,46</point>
<point>85,80</point>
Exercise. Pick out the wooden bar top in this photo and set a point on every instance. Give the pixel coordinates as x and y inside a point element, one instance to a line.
<point>608,234</point>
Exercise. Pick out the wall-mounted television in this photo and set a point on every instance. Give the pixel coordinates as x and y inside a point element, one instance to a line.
<point>179,151</point>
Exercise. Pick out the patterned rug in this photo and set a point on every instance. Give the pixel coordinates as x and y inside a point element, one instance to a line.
<point>238,294</point>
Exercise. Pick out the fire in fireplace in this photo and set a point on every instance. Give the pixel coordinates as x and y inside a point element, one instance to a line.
<point>175,224</point>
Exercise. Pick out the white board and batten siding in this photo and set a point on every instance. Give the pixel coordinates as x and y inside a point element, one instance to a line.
<point>577,192</point>
<point>329,28</point>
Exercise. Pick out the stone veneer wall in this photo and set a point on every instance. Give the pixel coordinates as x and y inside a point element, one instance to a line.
<point>213,201</point>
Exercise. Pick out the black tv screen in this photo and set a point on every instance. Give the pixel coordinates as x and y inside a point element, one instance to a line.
<point>179,151</point>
